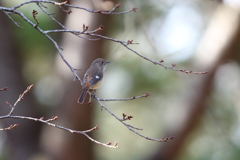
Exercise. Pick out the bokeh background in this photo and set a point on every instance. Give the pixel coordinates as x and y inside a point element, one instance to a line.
<point>201,111</point>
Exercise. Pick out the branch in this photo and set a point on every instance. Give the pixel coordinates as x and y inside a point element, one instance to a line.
<point>16,23</point>
<point>59,127</point>
<point>84,32</point>
<point>126,99</point>
<point>130,127</point>
<point>126,45</point>
<point>48,121</point>
<point>20,98</point>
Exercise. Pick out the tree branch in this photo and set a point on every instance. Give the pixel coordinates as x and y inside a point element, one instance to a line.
<point>77,33</point>
<point>9,115</point>
<point>130,127</point>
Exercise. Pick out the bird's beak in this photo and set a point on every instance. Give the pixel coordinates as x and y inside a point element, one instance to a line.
<point>107,62</point>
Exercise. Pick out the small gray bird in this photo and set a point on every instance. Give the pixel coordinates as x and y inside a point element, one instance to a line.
<point>93,77</point>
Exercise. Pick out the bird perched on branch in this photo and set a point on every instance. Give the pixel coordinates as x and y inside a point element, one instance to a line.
<point>93,77</point>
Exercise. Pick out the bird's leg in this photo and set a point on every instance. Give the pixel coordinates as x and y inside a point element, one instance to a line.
<point>91,95</point>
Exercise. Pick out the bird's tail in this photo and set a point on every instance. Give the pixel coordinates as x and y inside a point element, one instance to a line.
<point>82,97</point>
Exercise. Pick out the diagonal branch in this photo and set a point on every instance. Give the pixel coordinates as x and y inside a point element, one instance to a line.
<point>20,98</point>
<point>130,127</point>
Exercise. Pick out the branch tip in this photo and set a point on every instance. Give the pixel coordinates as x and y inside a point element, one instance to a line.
<point>129,42</point>
<point>9,128</point>
<point>4,89</point>
<point>118,5</point>
<point>134,9</point>
<point>146,94</point>
<point>69,12</point>
<point>115,144</point>
<point>166,139</point>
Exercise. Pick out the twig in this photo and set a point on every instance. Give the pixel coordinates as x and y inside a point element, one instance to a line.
<point>116,6</point>
<point>126,99</point>
<point>9,128</point>
<point>20,98</point>
<point>129,127</point>
<point>34,13</point>
<point>16,23</point>
<point>125,44</point>
<point>59,127</point>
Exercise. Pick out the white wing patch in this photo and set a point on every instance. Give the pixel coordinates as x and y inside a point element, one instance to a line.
<point>97,77</point>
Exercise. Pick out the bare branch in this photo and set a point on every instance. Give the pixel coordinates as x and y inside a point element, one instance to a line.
<point>116,6</point>
<point>16,23</point>
<point>90,130</point>
<point>129,127</point>
<point>57,126</point>
<point>20,98</point>
<point>125,44</point>
<point>126,99</point>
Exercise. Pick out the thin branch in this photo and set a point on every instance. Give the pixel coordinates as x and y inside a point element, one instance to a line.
<point>59,127</point>
<point>90,130</point>
<point>116,6</point>
<point>16,23</point>
<point>20,98</point>
<point>126,99</point>
<point>129,127</point>
<point>125,44</point>
<point>9,128</point>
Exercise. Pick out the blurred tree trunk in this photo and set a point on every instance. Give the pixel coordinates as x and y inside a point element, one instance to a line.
<point>22,141</point>
<point>80,53</point>
<point>230,50</point>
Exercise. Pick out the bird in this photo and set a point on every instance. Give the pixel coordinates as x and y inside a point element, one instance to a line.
<point>93,77</point>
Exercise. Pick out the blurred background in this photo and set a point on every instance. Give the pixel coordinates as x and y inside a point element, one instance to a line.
<point>201,111</point>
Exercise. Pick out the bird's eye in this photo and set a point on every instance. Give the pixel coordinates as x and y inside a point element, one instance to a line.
<point>102,62</point>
